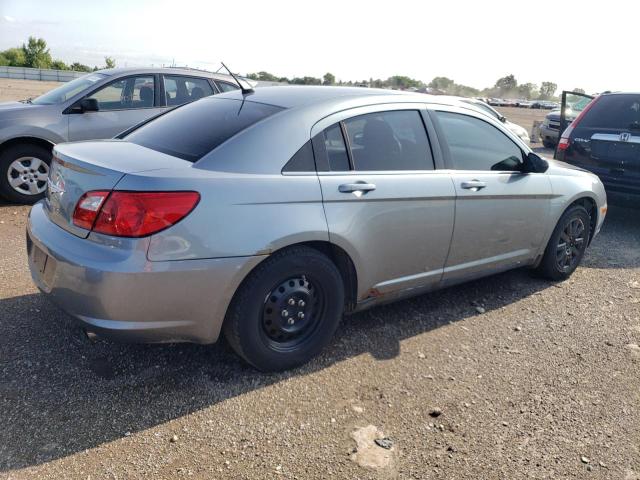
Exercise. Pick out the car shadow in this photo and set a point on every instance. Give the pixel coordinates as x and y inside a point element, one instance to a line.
<point>61,394</point>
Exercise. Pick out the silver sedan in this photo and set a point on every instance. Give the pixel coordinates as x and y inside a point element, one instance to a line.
<point>267,215</point>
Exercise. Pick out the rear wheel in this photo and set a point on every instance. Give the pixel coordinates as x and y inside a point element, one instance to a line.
<point>287,310</point>
<point>567,244</point>
<point>24,170</point>
<point>548,143</point>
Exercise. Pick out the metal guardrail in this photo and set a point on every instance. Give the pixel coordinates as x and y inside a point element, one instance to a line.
<point>24,73</point>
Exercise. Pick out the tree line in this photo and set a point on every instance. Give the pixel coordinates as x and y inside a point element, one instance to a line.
<point>505,87</point>
<point>36,54</point>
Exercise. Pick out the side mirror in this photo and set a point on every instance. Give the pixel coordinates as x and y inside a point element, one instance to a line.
<point>89,105</point>
<point>503,119</point>
<point>534,163</point>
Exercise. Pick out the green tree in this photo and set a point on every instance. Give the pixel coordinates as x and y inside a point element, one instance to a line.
<point>328,79</point>
<point>548,90</point>
<point>14,57</point>
<point>578,90</point>
<point>403,82</point>
<point>526,90</point>
<point>109,62</point>
<point>59,65</point>
<point>79,67</point>
<point>36,53</point>
<point>442,83</point>
<point>306,81</point>
<point>507,83</point>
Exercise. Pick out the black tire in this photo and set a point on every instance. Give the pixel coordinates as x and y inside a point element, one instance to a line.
<point>557,263</point>
<point>548,143</point>
<point>254,325</point>
<point>14,153</point>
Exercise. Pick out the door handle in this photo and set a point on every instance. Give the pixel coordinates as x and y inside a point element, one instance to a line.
<point>474,185</point>
<point>358,187</point>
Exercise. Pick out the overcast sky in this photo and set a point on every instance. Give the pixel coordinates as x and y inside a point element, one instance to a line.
<point>584,44</point>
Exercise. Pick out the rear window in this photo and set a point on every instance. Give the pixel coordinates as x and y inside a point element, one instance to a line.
<point>193,130</point>
<point>620,112</point>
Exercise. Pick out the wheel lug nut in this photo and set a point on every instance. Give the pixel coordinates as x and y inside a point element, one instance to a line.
<point>285,313</point>
<point>291,321</point>
<point>291,301</point>
<point>301,303</point>
<point>300,315</point>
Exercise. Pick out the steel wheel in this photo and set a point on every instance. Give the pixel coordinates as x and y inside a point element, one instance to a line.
<point>291,312</point>
<point>28,175</point>
<point>570,244</point>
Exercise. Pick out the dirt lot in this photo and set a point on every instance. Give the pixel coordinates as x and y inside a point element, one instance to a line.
<point>20,89</point>
<point>541,381</point>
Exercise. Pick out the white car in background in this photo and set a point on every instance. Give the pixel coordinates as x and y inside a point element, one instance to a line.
<point>492,112</point>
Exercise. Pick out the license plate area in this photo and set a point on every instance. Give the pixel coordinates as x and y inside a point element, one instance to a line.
<point>42,263</point>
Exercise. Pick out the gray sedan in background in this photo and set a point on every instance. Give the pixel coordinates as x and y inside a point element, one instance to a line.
<point>98,105</point>
<point>266,215</point>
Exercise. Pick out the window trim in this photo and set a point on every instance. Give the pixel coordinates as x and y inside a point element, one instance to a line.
<point>442,139</point>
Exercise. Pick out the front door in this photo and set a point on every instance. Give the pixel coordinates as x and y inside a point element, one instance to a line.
<point>501,212</point>
<point>122,103</point>
<point>385,203</point>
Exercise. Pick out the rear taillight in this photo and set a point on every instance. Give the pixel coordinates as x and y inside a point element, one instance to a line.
<point>87,208</point>
<point>133,214</point>
<point>565,138</point>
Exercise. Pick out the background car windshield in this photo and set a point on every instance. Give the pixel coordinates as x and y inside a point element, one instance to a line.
<point>193,130</point>
<point>68,90</point>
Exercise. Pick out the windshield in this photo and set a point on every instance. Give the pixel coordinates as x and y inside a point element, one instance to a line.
<point>68,90</point>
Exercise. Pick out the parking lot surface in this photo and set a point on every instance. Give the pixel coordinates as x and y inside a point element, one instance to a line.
<point>507,377</point>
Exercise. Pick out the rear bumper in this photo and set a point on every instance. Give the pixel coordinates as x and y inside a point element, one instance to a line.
<point>115,291</point>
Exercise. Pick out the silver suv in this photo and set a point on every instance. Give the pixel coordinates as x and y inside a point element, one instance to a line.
<point>95,106</point>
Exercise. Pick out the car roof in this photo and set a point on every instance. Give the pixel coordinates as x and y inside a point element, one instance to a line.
<point>294,96</point>
<point>191,72</point>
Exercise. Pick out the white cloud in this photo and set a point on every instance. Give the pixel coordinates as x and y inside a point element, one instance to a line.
<point>8,19</point>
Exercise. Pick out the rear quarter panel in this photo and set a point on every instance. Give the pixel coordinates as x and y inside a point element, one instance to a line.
<point>238,214</point>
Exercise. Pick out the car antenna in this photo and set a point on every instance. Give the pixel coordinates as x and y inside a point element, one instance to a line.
<point>245,90</point>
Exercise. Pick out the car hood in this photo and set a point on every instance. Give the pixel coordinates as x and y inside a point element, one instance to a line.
<point>14,106</point>
<point>19,109</point>
<point>555,115</point>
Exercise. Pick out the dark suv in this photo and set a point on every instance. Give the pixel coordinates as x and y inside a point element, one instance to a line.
<point>605,139</point>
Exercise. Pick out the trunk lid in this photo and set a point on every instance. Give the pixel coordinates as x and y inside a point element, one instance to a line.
<point>81,167</point>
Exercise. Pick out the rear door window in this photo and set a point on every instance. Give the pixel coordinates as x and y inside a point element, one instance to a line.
<point>193,130</point>
<point>227,87</point>
<point>179,89</point>
<point>394,140</point>
<point>616,112</point>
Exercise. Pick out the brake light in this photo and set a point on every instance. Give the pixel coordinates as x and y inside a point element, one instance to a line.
<point>87,208</point>
<point>138,214</point>
<point>565,138</point>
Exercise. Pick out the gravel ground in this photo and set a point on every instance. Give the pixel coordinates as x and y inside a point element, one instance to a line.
<point>508,377</point>
<point>13,89</point>
<point>543,384</point>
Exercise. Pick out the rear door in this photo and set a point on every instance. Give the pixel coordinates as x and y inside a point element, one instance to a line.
<point>385,202</point>
<point>500,212</point>
<point>122,103</point>
<point>606,141</point>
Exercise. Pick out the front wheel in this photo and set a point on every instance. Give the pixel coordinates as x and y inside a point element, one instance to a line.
<point>567,244</point>
<point>23,173</point>
<point>287,310</point>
